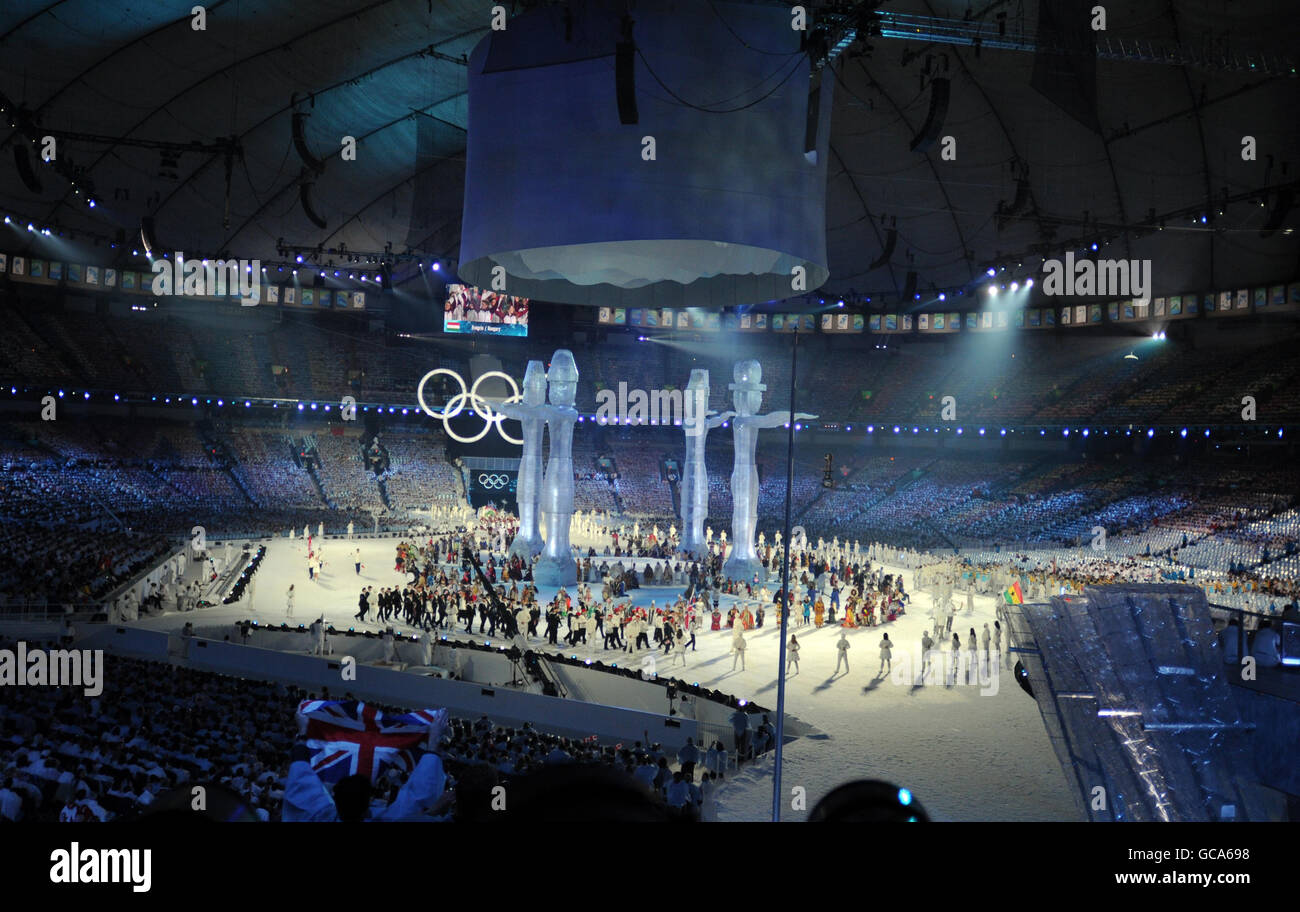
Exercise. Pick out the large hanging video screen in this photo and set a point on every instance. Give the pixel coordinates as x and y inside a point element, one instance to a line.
<point>472,310</point>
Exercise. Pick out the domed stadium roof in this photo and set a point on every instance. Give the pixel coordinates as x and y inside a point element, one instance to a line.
<point>195,128</point>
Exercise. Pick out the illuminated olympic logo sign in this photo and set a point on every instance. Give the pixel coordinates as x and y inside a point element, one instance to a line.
<point>480,406</point>
<point>493,481</point>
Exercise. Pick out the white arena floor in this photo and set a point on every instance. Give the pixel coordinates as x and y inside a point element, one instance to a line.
<point>967,752</point>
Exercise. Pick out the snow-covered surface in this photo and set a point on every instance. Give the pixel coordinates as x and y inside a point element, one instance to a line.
<point>966,752</point>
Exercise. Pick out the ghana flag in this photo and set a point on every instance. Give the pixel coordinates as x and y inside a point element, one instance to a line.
<point>1014,595</point>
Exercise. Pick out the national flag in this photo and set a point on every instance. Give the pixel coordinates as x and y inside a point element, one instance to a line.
<point>451,325</point>
<point>351,738</point>
<point>1014,595</point>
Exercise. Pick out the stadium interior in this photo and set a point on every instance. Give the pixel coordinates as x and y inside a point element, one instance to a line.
<point>956,425</point>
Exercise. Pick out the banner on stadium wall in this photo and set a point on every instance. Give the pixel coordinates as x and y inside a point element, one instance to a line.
<point>1271,298</point>
<point>1230,304</point>
<point>940,322</point>
<point>693,318</point>
<point>1292,296</point>
<point>1081,315</point>
<point>990,320</point>
<point>130,281</point>
<point>841,323</point>
<point>1183,307</point>
<point>793,322</point>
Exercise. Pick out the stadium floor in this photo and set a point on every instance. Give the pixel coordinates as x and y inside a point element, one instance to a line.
<point>967,752</point>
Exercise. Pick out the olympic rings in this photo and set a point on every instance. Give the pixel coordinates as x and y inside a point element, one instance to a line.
<point>493,481</point>
<point>481,406</point>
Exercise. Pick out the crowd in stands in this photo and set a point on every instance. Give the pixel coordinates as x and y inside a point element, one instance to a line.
<point>69,757</point>
<point>1034,379</point>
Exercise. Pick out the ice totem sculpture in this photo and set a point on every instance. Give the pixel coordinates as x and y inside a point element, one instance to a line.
<point>696,424</point>
<point>556,566</point>
<point>530,414</point>
<point>747,396</point>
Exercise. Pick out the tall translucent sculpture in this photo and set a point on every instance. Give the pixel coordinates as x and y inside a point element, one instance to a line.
<point>695,477</point>
<point>556,566</point>
<point>747,396</point>
<point>528,541</point>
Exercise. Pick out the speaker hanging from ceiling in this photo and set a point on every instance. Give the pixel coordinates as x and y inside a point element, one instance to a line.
<point>304,196</point>
<point>24,165</point>
<point>909,290</point>
<point>891,240</point>
<point>624,75</point>
<point>300,144</point>
<point>1277,215</point>
<point>940,87</point>
<point>813,120</point>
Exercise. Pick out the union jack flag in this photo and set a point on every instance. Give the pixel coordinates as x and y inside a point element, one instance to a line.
<point>350,738</point>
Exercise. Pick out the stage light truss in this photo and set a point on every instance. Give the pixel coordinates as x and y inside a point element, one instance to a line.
<point>973,32</point>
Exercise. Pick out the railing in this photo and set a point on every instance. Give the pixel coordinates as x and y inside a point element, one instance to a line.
<point>549,675</point>
<point>1249,620</point>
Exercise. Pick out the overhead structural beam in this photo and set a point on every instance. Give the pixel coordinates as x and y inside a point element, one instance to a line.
<point>974,33</point>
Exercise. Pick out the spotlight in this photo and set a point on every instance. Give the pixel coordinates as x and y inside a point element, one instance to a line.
<point>942,296</point>
<point>992,272</point>
<point>992,290</point>
<point>1015,286</point>
<point>1029,283</point>
<point>1183,432</point>
<point>436,266</point>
